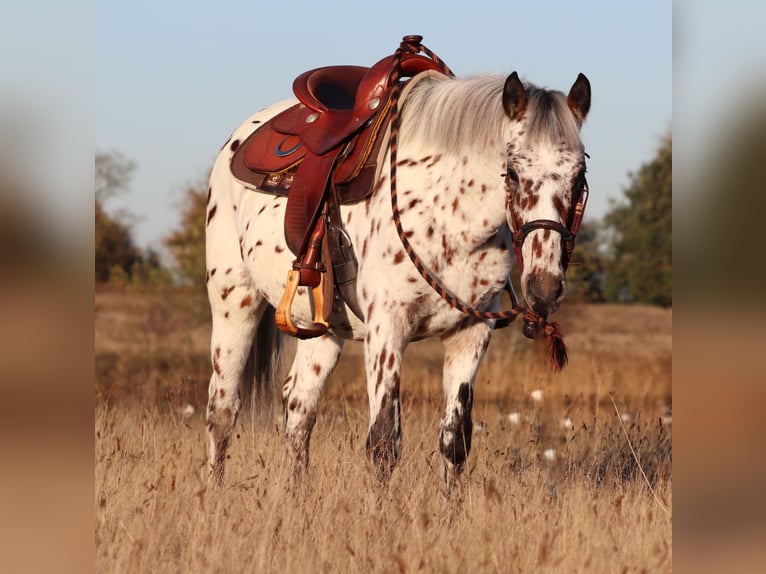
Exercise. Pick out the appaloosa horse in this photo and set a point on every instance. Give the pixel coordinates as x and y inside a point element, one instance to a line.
<point>477,160</point>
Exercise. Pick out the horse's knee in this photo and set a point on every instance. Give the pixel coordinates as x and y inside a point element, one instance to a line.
<point>384,439</point>
<point>455,430</point>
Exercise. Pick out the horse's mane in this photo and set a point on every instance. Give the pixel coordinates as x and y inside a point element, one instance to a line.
<point>462,113</point>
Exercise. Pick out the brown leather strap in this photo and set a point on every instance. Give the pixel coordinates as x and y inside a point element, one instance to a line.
<point>304,203</point>
<point>344,263</point>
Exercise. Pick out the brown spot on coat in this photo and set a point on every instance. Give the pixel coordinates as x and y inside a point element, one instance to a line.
<point>446,249</point>
<point>211,213</point>
<point>434,161</point>
<point>317,368</point>
<point>226,291</point>
<point>559,206</point>
<point>399,257</point>
<point>382,357</point>
<point>247,300</point>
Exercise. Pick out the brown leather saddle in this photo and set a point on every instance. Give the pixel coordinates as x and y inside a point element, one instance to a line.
<point>323,152</point>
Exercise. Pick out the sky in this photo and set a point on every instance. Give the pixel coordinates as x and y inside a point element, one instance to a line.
<point>174,79</point>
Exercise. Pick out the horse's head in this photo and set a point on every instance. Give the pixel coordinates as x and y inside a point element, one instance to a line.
<point>546,184</point>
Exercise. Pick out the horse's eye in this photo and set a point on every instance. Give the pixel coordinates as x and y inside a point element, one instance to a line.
<point>512,175</point>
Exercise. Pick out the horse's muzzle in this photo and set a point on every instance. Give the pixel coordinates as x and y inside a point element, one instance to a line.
<point>544,292</point>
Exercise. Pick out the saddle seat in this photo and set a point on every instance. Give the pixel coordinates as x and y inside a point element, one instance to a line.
<point>323,152</point>
<point>339,100</point>
<point>330,87</point>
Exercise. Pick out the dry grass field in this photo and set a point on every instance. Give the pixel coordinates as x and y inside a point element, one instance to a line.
<point>552,484</point>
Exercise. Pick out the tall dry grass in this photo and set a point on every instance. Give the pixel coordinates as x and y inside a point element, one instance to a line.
<point>551,486</point>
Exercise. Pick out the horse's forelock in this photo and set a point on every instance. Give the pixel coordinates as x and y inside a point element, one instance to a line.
<point>550,121</point>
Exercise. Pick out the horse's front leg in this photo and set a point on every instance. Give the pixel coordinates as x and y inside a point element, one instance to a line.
<point>314,361</point>
<point>463,352</point>
<point>384,346</point>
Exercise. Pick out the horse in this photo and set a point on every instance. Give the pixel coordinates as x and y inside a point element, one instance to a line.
<point>479,160</point>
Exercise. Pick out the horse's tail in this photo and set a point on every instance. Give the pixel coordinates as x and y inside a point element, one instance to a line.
<point>261,377</point>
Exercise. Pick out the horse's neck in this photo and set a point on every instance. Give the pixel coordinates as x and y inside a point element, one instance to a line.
<point>467,193</point>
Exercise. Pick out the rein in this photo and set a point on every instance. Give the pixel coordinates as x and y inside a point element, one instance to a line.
<point>533,322</point>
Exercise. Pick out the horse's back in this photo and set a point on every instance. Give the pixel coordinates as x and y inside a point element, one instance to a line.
<point>250,235</point>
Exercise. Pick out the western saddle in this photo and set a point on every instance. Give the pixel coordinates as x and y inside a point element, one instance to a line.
<point>323,152</point>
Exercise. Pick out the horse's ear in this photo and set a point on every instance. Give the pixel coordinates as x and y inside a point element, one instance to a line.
<point>514,97</point>
<point>579,97</point>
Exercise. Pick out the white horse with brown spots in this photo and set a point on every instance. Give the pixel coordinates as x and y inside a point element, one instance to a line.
<point>478,158</point>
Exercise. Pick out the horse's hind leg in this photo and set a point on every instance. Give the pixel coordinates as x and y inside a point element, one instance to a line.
<point>314,361</point>
<point>463,352</point>
<point>236,309</point>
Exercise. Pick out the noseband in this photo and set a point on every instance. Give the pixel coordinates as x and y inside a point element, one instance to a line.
<point>568,233</point>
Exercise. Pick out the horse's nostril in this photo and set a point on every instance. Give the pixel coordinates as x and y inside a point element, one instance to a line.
<point>544,292</point>
<point>540,307</point>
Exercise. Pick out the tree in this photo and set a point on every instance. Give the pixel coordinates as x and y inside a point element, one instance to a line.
<point>586,273</point>
<point>640,270</point>
<point>113,174</point>
<point>114,247</point>
<point>187,243</point>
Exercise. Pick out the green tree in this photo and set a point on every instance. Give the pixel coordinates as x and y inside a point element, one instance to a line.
<point>640,226</point>
<point>187,242</point>
<point>586,273</point>
<point>114,246</point>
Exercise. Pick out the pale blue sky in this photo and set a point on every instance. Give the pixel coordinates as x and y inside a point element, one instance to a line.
<point>173,79</point>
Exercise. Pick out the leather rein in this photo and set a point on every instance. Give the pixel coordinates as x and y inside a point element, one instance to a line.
<point>533,322</point>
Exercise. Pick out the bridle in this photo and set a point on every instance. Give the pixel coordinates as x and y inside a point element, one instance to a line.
<point>533,322</point>
<point>568,232</point>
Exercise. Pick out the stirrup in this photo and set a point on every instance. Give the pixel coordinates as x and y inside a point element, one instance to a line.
<point>283,317</point>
